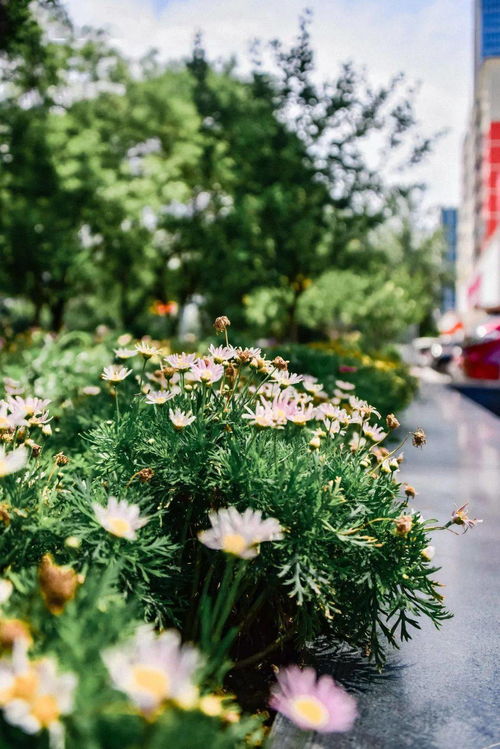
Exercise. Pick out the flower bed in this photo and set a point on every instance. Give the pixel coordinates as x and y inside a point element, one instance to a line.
<point>240,509</point>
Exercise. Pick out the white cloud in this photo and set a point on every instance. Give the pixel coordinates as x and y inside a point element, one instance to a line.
<point>431,44</point>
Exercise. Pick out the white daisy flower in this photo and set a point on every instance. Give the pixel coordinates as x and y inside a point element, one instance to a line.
<point>146,349</point>
<point>27,406</point>
<point>33,693</point>
<point>159,397</point>
<point>120,518</point>
<point>373,432</point>
<point>91,390</point>
<point>180,419</point>
<point>13,387</point>
<point>342,385</point>
<point>152,669</point>
<point>240,533</point>
<point>125,353</point>
<point>115,373</point>
<point>13,461</point>
<point>9,419</point>
<point>221,354</point>
<point>181,361</point>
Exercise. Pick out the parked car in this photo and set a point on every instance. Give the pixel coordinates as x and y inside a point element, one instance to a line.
<point>480,359</point>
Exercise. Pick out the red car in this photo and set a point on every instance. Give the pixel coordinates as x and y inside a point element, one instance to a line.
<point>480,359</point>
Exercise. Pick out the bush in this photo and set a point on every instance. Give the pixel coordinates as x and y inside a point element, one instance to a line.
<point>222,496</point>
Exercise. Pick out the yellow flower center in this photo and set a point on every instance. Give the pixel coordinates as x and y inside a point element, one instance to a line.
<point>153,681</point>
<point>234,543</point>
<point>310,710</point>
<point>119,526</point>
<point>45,709</point>
<point>25,686</point>
<point>4,467</point>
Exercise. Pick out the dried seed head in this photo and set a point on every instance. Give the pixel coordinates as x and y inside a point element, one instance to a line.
<point>58,584</point>
<point>410,491</point>
<point>403,525</point>
<point>221,323</point>
<point>61,459</point>
<point>392,422</point>
<point>418,438</point>
<point>12,630</point>
<point>145,475</point>
<point>231,372</point>
<point>280,363</point>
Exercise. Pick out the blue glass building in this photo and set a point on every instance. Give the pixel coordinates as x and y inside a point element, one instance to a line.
<point>449,223</point>
<point>487,29</point>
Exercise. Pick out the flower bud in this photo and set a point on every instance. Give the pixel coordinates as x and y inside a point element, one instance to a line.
<point>428,552</point>
<point>315,442</point>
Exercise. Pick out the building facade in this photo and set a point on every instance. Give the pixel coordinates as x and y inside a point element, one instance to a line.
<point>478,262</point>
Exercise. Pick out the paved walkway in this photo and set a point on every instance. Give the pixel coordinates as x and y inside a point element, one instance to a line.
<point>442,690</point>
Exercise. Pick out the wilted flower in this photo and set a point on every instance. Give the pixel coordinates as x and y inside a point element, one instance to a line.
<point>373,432</point>
<point>418,438</point>
<point>145,475</point>
<point>152,669</point>
<point>13,461</point>
<point>221,323</point>
<point>33,694</point>
<point>221,354</point>
<point>147,350</point>
<point>159,397</point>
<point>403,525</point>
<point>460,517</point>
<point>313,703</point>
<point>6,589</point>
<point>247,354</point>
<point>207,371</point>
<point>181,361</point>
<point>181,419</point>
<point>342,385</point>
<point>58,584</point>
<point>61,459</point>
<point>115,373</point>
<point>240,533</point>
<point>410,491</point>
<point>125,353</point>
<point>120,518</point>
<point>280,363</point>
<point>392,421</point>
<point>428,553</point>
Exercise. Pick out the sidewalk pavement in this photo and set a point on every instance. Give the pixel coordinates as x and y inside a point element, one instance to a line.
<point>442,689</point>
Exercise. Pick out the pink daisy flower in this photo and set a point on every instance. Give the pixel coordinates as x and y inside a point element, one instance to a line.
<point>312,703</point>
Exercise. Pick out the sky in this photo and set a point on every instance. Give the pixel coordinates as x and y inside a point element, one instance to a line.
<point>428,40</point>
